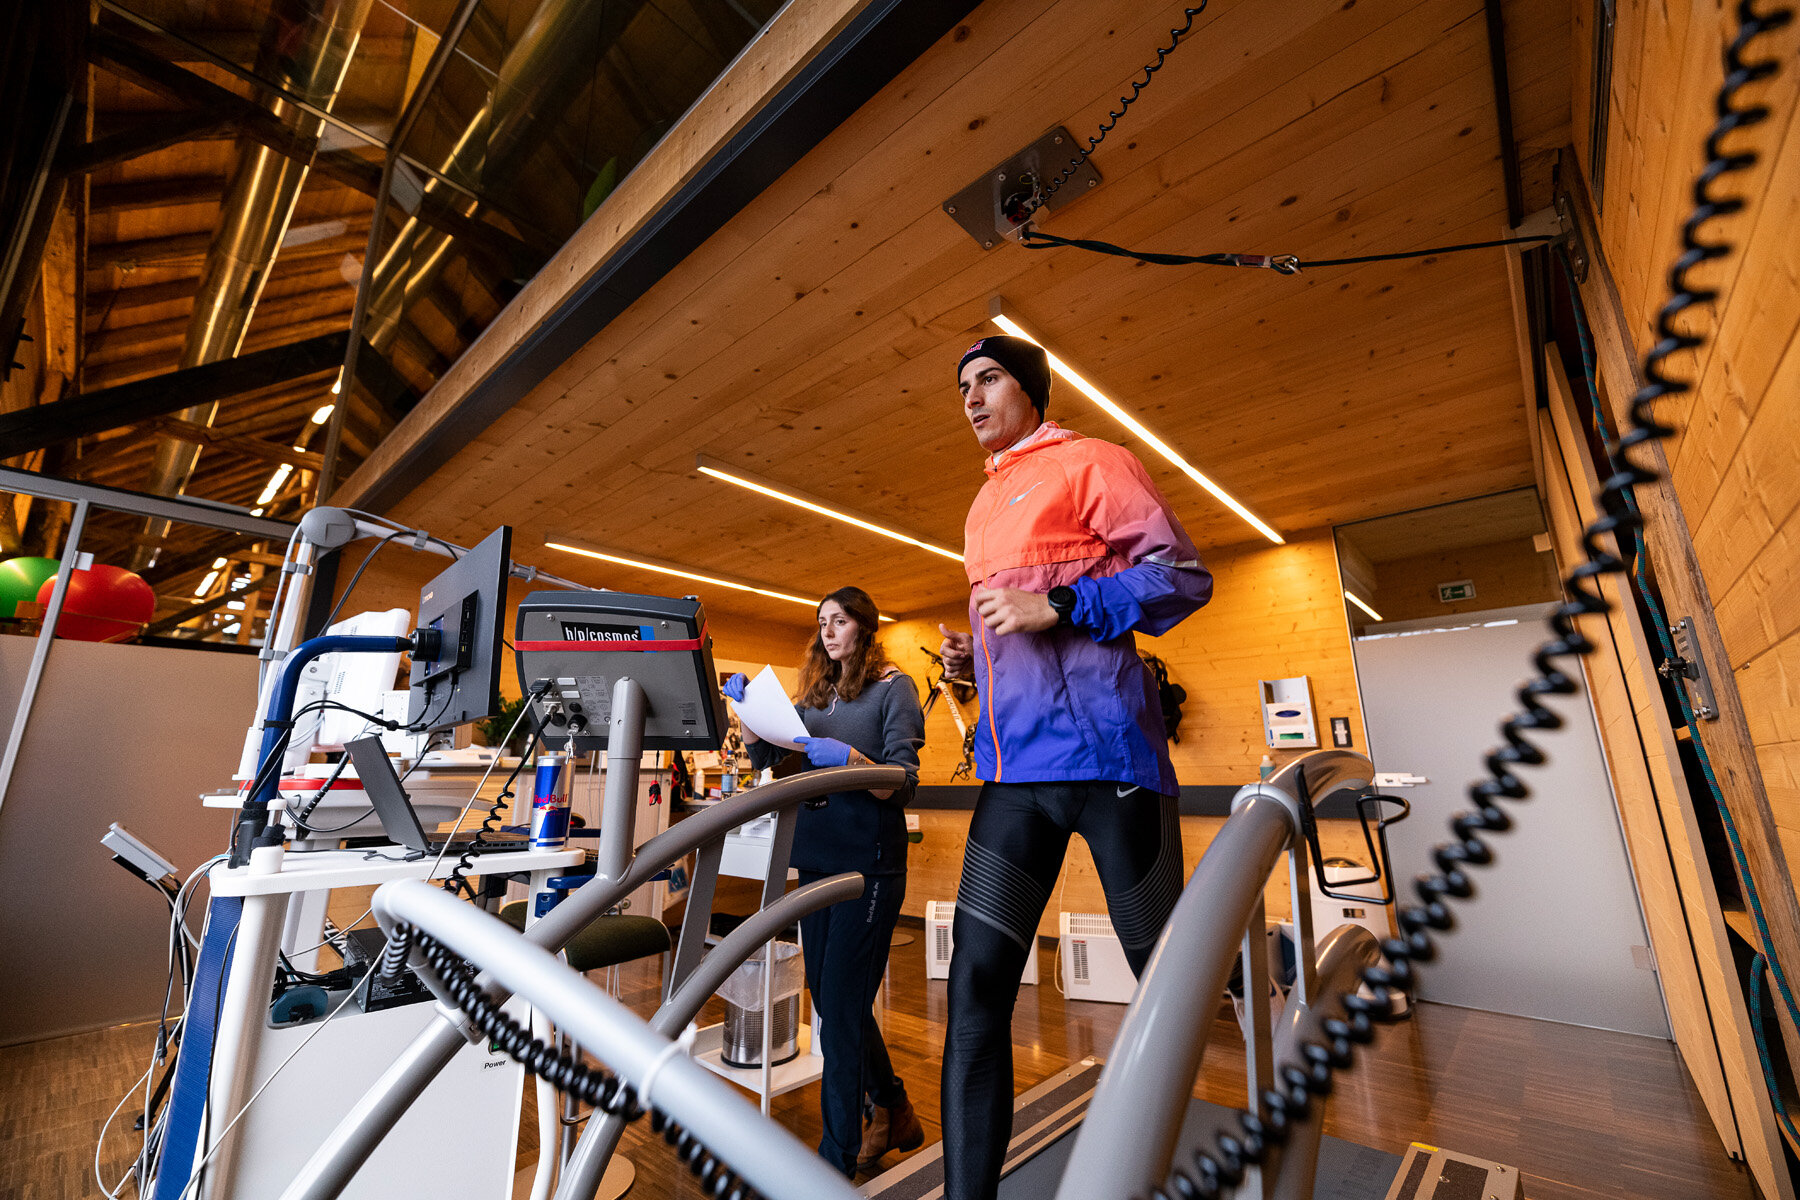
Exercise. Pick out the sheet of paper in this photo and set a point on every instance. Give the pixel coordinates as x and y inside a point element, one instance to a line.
<point>767,711</point>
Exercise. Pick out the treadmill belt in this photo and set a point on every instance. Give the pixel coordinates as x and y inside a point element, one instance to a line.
<point>1045,1117</point>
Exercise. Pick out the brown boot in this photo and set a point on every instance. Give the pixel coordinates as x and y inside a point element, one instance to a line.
<point>889,1129</point>
<point>875,1135</point>
<point>905,1134</point>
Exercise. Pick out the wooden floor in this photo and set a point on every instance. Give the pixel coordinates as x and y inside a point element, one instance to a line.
<point>1584,1114</point>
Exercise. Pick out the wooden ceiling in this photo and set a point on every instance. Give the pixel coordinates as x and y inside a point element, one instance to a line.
<point>1482,521</point>
<point>813,339</point>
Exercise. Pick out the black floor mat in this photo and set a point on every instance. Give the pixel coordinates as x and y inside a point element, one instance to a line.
<point>1044,1123</point>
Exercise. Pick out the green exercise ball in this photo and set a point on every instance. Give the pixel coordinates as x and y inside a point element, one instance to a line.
<point>20,579</point>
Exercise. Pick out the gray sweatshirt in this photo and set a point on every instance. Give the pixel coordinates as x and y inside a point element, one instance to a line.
<point>854,831</point>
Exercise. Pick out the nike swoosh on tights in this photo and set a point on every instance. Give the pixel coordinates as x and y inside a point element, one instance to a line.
<point>1126,791</point>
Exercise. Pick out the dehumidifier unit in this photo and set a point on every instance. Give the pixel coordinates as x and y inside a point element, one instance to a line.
<point>940,943</point>
<point>1092,962</point>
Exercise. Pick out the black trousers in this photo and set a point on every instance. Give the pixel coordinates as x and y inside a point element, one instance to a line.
<point>846,949</point>
<point>1017,840</point>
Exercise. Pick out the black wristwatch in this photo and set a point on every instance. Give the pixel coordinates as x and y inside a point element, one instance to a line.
<point>1062,603</point>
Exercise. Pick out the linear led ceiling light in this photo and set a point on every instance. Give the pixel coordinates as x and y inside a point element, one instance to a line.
<point>1353,598</point>
<point>643,564</point>
<point>718,470</point>
<point>1006,322</point>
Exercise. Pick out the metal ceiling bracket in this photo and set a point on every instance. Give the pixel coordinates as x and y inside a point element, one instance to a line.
<point>995,206</point>
<point>1573,244</point>
<point>1688,668</point>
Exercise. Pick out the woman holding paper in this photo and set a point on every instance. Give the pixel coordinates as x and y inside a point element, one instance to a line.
<point>857,708</point>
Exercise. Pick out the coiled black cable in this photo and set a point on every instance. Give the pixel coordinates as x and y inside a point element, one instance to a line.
<point>1224,1165</point>
<point>595,1085</point>
<point>455,880</point>
<point>1137,86</point>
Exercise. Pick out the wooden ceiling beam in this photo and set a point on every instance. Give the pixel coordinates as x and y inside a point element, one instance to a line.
<point>282,415</point>
<point>205,606</point>
<point>47,424</point>
<point>174,249</point>
<point>520,257</point>
<point>171,191</point>
<point>115,450</point>
<point>143,136</point>
<point>273,315</point>
<point>189,249</point>
<point>114,306</point>
<point>163,360</point>
<point>249,447</point>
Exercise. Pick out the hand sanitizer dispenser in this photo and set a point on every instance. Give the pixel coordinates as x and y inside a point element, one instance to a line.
<point>1288,714</point>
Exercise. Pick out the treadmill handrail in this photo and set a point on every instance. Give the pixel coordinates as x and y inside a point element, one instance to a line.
<point>1128,1137</point>
<point>1326,771</point>
<point>771,1159</point>
<point>1343,953</point>
<point>665,849</point>
<point>594,1149</point>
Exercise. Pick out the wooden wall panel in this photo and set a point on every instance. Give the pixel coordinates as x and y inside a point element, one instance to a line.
<point>1675,889</point>
<point>1725,533</point>
<point>1504,573</point>
<point>1276,611</point>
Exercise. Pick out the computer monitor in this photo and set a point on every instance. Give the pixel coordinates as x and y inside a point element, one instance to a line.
<point>574,646</point>
<point>456,665</point>
<point>357,681</point>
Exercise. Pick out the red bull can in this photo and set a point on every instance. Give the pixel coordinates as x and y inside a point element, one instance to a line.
<point>550,802</point>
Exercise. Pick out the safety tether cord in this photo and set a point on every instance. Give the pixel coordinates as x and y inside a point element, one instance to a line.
<point>1285,264</point>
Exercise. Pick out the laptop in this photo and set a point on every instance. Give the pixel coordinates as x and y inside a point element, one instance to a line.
<point>395,809</point>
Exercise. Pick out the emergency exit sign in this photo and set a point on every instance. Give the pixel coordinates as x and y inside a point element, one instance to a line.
<point>1461,589</point>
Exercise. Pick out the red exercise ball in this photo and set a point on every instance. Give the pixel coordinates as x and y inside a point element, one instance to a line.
<point>104,604</point>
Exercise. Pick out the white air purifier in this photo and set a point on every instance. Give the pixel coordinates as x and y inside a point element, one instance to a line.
<point>1091,962</point>
<point>940,943</point>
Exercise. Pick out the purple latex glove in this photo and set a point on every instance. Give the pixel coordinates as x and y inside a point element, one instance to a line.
<point>734,687</point>
<point>825,752</point>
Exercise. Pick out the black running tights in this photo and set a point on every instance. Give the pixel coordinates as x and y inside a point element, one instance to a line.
<point>1017,840</point>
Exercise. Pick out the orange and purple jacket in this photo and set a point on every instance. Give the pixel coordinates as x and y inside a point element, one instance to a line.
<point>1075,702</point>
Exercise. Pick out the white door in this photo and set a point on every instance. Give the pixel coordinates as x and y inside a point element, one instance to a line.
<point>1554,930</point>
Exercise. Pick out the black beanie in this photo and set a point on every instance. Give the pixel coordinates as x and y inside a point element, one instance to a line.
<point>1024,361</point>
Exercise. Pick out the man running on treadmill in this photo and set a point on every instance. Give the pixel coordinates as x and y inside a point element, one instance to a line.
<point>1069,548</point>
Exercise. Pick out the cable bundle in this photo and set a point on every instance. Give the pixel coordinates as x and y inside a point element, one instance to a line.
<point>595,1085</point>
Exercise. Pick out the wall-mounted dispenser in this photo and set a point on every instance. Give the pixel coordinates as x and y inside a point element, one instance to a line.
<point>1288,714</point>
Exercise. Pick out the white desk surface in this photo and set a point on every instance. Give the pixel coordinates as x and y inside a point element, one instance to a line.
<point>353,868</point>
